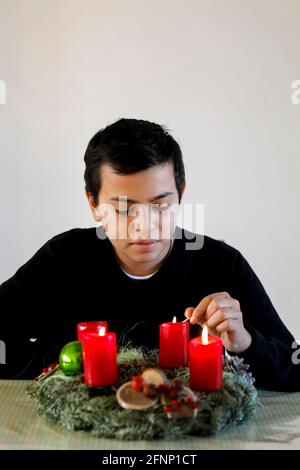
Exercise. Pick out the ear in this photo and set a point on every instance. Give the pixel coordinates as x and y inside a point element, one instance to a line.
<point>183,186</point>
<point>93,206</point>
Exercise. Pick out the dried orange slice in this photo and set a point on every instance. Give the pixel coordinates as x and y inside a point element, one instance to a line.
<point>130,399</point>
<point>154,376</point>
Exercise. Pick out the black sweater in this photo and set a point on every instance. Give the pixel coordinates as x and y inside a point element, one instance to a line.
<point>75,277</point>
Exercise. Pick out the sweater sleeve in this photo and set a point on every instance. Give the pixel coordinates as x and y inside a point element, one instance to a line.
<point>271,354</point>
<point>24,299</point>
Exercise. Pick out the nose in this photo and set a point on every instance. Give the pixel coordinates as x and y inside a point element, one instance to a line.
<point>146,224</point>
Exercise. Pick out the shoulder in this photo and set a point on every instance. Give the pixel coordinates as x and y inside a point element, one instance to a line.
<point>74,234</point>
<point>197,245</point>
<point>79,239</point>
<point>216,262</point>
<point>215,258</point>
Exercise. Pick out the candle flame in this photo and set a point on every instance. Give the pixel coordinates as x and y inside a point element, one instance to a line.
<point>102,331</point>
<point>174,320</point>
<point>205,335</point>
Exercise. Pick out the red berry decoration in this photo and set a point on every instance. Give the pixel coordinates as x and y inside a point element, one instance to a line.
<point>163,388</point>
<point>149,390</point>
<point>167,409</point>
<point>180,402</point>
<point>137,383</point>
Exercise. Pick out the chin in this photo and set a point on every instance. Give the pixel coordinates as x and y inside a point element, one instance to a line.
<point>145,257</point>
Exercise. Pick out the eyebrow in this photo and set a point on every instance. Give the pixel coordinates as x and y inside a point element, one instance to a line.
<point>124,198</point>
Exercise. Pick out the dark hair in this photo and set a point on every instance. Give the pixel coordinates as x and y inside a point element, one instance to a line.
<point>129,146</point>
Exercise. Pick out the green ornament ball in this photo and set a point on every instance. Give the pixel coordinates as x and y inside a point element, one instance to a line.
<point>70,358</point>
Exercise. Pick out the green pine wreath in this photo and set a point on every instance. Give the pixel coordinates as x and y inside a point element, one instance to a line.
<point>67,401</point>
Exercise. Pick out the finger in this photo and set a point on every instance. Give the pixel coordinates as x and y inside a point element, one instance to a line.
<point>217,303</point>
<point>199,312</point>
<point>189,312</point>
<point>228,325</point>
<point>198,315</point>
<point>220,316</point>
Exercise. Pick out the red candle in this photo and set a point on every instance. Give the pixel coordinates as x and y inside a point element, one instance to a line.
<point>99,358</point>
<point>206,372</point>
<point>91,326</point>
<point>174,344</point>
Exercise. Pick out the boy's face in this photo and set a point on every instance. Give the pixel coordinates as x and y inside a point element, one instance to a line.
<point>138,212</point>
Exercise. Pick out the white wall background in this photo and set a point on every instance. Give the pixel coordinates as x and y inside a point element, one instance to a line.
<point>217,73</point>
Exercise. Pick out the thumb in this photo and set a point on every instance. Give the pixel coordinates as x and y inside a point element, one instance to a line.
<point>189,312</point>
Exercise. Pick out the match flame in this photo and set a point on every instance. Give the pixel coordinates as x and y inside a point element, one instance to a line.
<point>205,335</point>
<point>174,320</point>
<point>102,331</point>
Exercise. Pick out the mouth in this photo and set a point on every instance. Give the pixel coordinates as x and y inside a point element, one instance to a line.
<point>145,245</point>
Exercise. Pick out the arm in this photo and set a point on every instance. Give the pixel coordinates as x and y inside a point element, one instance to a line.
<point>24,300</point>
<point>250,327</point>
<point>270,352</point>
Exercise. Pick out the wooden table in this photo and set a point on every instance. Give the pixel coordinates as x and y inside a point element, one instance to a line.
<point>275,426</point>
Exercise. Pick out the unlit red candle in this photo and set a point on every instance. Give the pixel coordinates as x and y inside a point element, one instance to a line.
<point>206,366</point>
<point>99,358</point>
<point>174,344</point>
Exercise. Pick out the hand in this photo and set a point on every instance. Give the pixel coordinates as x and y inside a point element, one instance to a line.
<point>223,317</point>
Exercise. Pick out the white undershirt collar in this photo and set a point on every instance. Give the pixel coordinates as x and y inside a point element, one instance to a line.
<point>139,278</point>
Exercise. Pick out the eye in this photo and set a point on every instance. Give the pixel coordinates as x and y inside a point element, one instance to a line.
<point>160,207</point>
